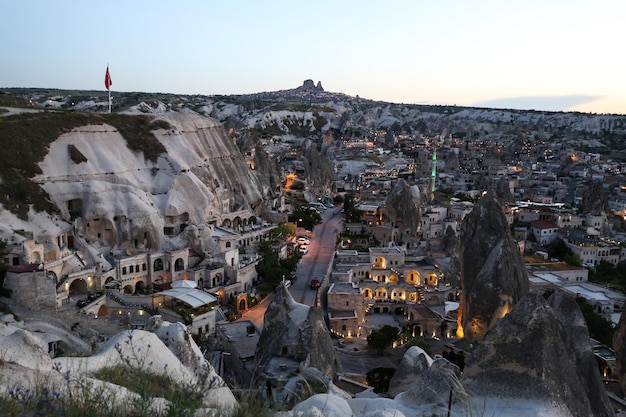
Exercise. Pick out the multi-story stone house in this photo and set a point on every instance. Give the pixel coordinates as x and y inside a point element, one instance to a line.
<point>459,209</point>
<point>346,309</point>
<point>592,249</point>
<point>544,231</point>
<point>567,220</point>
<point>597,221</point>
<point>385,280</point>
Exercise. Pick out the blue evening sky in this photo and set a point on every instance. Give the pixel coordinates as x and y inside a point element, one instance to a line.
<point>543,55</point>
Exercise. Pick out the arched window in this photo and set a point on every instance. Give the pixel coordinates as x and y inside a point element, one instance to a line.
<point>157,265</point>
<point>179,265</point>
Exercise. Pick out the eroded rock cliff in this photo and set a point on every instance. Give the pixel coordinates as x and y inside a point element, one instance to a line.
<point>298,332</point>
<point>493,273</point>
<point>541,351</point>
<point>404,208</point>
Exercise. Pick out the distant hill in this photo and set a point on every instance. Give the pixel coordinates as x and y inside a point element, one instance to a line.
<point>310,111</point>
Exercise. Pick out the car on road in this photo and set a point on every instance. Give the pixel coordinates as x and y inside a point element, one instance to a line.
<point>315,284</point>
<point>303,249</point>
<point>303,240</point>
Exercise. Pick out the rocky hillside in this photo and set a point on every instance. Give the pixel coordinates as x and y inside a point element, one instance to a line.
<point>144,179</point>
<point>309,111</point>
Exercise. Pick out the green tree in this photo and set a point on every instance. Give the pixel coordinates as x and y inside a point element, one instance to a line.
<point>305,216</point>
<point>383,337</point>
<point>558,249</point>
<point>271,270</point>
<point>350,211</point>
<point>572,259</point>
<point>599,328</point>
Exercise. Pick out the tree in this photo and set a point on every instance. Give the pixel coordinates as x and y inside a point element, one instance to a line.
<point>351,212</point>
<point>599,328</point>
<point>558,249</point>
<point>572,259</point>
<point>383,337</point>
<point>305,216</point>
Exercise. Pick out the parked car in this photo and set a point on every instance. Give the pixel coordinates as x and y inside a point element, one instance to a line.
<point>315,284</point>
<point>303,240</point>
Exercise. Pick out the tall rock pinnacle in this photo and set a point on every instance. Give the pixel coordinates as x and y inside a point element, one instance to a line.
<point>493,277</point>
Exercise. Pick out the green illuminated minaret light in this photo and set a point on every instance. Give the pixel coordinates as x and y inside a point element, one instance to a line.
<point>433,172</point>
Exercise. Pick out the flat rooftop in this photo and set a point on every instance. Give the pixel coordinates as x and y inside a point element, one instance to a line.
<point>341,314</point>
<point>343,288</point>
<point>240,338</point>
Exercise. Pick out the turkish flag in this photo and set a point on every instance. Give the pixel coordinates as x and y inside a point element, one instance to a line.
<point>107,79</point>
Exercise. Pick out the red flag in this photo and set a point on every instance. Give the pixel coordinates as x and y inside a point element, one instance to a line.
<point>107,79</point>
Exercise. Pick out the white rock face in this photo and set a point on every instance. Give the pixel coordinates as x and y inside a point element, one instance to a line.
<point>26,363</point>
<point>202,176</point>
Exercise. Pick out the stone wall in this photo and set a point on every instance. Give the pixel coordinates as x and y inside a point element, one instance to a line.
<point>33,288</point>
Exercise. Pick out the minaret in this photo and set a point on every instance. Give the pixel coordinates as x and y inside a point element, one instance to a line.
<point>433,172</point>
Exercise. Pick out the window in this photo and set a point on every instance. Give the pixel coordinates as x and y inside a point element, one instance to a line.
<point>124,271</point>
<point>132,269</point>
<point>158,265</point>
<point>143,267</point>
<point>179,265</point>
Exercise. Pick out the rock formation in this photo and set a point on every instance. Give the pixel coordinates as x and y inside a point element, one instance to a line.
<point>541,351</point>
<point>594,199</point>
<point>452,246</point>
<point>115,197</point>
<point>503,191</point>
<point>452,162</point>
<point>318,170</point>
<point>298,332</point>
<point>619,346</point>
<point>170,351</point>
<point>310,85</point>
<point>433,386</point>
<point>413,363</point>
<point>493,273</point>
<point>404,208</point>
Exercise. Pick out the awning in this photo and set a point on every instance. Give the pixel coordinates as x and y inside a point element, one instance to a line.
<point>185,283</point>
<point>451,306</point>
<point>195,298</point>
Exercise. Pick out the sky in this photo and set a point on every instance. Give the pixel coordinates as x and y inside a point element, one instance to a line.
<point>533,54</point>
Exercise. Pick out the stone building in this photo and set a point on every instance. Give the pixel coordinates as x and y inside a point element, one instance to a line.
<point>385,280</point>
<point>346,308</point>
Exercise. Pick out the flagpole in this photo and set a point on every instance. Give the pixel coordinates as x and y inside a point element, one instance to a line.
<point>107,84</point>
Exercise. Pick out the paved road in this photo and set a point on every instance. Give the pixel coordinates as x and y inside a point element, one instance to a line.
<point>315,264</point>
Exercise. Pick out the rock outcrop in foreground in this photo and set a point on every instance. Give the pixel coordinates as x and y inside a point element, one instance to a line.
<point>297,332</point>
<point>166,351</point>
<point>540,350</point>
<point>493,273</point>
<point>619,346</point>
<point>536,361</point>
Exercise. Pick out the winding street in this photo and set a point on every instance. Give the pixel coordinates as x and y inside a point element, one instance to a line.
<point>315,263</point>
